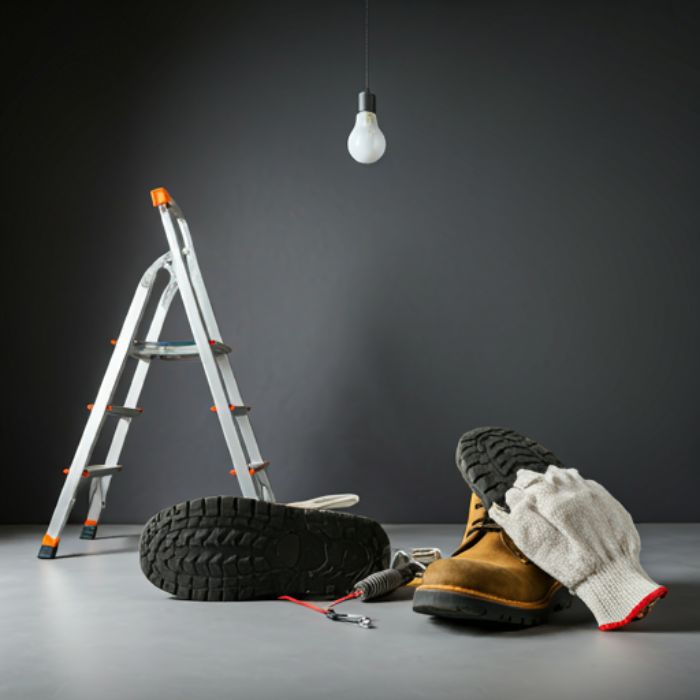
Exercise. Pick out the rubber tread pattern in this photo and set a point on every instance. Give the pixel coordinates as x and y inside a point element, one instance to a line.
<point>228,548</point>
<point>458,606</point>
<point>489,460</point>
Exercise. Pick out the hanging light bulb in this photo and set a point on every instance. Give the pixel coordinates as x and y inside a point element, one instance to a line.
<point>366,142</point>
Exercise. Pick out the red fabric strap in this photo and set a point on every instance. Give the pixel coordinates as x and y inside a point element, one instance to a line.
<point>316,608</point>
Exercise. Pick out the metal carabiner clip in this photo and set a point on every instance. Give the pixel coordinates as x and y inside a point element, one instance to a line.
<point>361,620</point>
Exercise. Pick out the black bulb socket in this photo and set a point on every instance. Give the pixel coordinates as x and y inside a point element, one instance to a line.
<point>367,102</point>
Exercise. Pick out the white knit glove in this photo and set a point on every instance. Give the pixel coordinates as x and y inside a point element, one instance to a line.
<point>573,529</point>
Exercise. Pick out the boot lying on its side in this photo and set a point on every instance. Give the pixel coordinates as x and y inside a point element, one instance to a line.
<point>226,548</point>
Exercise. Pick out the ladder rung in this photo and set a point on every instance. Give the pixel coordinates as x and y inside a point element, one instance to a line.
<point>98,470</point>
<point>173,349</point>
<point>253,468</point>
<point>235,410</point>
<point>118,410</point>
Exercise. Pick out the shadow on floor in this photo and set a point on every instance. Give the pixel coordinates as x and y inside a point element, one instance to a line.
<point>131,544</point>
<point>400,595</point>
<point>118,537</point>
<point>678,612</point>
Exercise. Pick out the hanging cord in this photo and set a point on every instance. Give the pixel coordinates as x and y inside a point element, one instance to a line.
<point>366,45</point>
<point>361,620</point>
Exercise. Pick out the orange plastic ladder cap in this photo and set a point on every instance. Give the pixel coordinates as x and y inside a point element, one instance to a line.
<point>90,523</point>
<point>251,471</point>
<point>49,541</point>
<point>160,196</point>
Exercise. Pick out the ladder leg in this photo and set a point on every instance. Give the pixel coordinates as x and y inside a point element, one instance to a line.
<point>99,487</point>
<point>209,365</point>
<point>89,530</point>
<point>49,543</point>
<point>245,429</point>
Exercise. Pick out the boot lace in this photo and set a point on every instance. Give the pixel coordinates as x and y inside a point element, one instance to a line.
<point>482,523</point>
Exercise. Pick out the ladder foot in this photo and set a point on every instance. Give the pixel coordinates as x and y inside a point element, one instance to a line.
<point>47,552</point>
<point>89,530</point>
<point>49,547</point>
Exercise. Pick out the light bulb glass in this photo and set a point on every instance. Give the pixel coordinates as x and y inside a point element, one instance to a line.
<point>366,142</point>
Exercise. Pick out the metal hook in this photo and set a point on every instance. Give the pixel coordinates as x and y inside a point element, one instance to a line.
<point>361,620</point>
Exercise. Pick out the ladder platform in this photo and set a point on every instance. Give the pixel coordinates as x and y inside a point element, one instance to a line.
<point>253,468</point>
<point>120,411</point>
<point>95,470</point>
<point>235,410</point>
<point>173,349</point>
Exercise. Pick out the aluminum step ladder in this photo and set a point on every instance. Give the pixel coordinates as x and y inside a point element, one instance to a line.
<point>180,263</point>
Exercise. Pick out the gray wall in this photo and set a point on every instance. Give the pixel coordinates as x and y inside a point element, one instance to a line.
<point>524,255</point>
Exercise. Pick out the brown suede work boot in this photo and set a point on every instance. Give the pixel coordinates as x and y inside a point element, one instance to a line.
<point>488,578</point>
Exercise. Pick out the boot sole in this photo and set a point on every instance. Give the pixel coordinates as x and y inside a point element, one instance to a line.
<point>226,548</point>
<point>460,606</point>
<point>489,460</point>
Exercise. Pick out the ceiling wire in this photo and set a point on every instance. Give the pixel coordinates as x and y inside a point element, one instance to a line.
<point>367,45</point>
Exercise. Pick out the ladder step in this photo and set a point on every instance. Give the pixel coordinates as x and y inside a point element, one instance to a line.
<point>98,470</point>
<point>121,411</point>
<point>173,349</point>
<point>253,468</point>
<point>235,410</point>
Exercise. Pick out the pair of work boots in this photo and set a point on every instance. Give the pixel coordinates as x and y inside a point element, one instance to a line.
<point>536,533</point>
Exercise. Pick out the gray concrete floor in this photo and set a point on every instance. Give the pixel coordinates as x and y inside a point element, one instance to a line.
<point>89,626</point>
